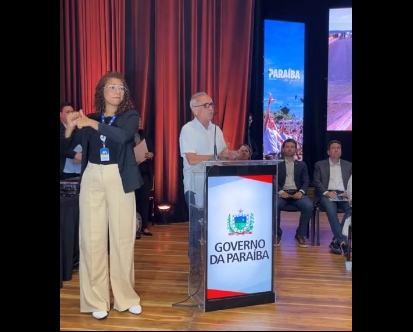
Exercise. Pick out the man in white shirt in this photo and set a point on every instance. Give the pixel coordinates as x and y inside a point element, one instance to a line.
<point>196,141</point>
<point>330,181</point>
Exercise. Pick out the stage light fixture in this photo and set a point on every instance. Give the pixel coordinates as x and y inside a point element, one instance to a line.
<point>166,211</point>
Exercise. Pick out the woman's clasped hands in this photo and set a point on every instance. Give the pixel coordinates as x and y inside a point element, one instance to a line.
<point>78,119</point>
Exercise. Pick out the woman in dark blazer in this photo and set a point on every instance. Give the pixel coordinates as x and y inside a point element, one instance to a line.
<point>109,177</point>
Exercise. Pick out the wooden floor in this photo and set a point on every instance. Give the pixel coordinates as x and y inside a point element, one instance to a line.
<point>313,290</point>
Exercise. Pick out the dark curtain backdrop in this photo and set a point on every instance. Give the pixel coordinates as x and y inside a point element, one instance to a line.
<point>92,41</point>
<point>168,50</point>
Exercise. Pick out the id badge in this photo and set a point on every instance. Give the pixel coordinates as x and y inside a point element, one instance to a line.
<point>104,154</point>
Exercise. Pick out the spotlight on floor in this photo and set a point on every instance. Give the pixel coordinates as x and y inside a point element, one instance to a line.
<point>166,211</point>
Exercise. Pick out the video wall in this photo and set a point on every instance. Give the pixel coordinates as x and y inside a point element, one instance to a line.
<point>339,96</point>
<point>283,100</point>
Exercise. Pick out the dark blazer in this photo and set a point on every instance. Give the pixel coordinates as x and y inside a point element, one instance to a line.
<point>321,176</point>
<point>301,178</point>
<point>67,146</point>
<point>150,146</point>
<point>64,144</point>
<point>253,147</point>
<point>123,132</point>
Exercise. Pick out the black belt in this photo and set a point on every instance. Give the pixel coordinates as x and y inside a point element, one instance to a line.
<point>290,191</point>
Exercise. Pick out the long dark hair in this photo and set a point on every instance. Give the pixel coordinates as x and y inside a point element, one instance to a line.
<point>100,104</point>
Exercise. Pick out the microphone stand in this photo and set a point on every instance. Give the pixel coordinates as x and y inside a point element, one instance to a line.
<point>215,138</point>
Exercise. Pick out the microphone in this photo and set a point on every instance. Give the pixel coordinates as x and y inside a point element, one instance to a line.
<point>215,137</point>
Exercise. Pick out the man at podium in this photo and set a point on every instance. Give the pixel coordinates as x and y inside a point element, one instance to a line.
<point>200,140</point>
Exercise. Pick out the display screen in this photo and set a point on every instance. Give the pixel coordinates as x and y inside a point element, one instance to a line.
<point>283,100</point>
<point>239,250</point>
<point>339,96</point>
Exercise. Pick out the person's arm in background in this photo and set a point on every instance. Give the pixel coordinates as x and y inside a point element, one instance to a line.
<point>64,145</point>
<point>305,180</point>
<point>150,154</point>
<point>318,185</point>
<point>75,141</point>
<point>70,153</point>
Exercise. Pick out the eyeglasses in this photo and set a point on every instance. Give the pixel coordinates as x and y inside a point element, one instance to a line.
<point>206,105</point>
<point>113,87</point>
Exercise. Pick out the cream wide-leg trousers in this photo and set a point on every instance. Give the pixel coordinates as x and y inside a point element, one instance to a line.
<point>103,204</point>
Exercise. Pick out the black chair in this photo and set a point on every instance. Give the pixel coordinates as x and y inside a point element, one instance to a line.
<point>316,221</point>
<point>293,208</point>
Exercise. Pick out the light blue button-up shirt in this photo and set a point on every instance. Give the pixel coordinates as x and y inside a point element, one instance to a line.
<point>70,167</point>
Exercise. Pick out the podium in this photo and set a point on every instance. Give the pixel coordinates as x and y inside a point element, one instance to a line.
<point>232,222</point>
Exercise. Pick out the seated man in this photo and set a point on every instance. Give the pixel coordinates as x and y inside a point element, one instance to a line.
<point>293,183</point>
<point>331,177</point>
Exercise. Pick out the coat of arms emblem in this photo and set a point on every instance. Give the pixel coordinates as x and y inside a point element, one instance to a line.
<point>240,224</point>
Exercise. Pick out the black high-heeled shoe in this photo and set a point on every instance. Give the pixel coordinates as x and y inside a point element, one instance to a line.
<point>146,233</point>
<point>138,235</point>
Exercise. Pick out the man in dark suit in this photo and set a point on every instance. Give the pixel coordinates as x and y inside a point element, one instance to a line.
<point>330,184</point>
<point>293,182</point>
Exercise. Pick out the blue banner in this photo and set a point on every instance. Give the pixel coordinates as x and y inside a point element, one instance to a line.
<point>283,100</point>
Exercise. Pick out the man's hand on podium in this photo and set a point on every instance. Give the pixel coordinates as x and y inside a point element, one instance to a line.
<point>229,154</point>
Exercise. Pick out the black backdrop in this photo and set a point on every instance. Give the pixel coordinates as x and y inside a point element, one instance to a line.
<point>315,16</point>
